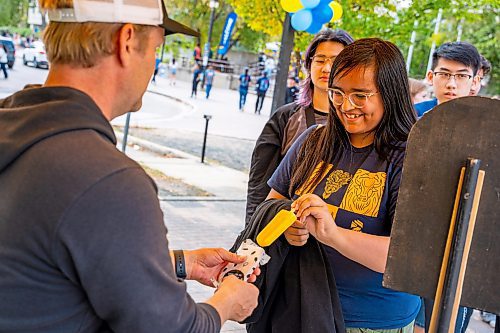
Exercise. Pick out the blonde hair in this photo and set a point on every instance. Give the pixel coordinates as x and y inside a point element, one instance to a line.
<point>82,44</point>
<point>53,4</point>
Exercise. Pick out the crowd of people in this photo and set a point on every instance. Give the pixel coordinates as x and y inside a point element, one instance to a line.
<point>83,242</point>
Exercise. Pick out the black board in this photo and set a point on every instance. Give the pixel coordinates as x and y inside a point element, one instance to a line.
<point>438,147</point>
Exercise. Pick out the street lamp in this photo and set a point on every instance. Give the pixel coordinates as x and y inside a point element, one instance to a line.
<point>214,4</point>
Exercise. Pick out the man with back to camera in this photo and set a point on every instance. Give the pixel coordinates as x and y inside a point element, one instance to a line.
<point>261,88</point>
<point>454,72</point>
<point>82,242</point>
<point>245,80</point>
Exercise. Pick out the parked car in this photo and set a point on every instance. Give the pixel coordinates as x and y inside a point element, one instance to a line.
<point>35,54</point>
<point>11,50</point>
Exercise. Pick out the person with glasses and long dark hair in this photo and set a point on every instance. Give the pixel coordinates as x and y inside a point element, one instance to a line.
<point>345,176</point>
<point>291,120</point>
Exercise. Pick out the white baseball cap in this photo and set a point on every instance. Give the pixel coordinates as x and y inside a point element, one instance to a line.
<point>146,12</point>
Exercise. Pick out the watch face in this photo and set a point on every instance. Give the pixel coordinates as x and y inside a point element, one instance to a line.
<point>236,273</point>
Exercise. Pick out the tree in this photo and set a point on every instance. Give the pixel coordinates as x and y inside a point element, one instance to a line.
<point>13,12</point>
<point>196,14</point>
<point>265,16</point>
<point>393,21</point>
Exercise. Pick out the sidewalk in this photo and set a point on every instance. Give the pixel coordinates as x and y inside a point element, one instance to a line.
<point>224,183</point>
<point>222,106</point>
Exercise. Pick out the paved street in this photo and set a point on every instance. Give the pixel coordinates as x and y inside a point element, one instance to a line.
<point>177,121</point>
<point>194,224</point>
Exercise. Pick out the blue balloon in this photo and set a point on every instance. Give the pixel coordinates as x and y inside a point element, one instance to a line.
<point>314,27</point>
<point>324,3</point>
<point>322,14</point>
<point>310,3</point>
<point>302,19</point>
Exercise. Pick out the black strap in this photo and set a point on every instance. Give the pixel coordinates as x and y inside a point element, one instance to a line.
<point>310,118</point>
<point>180,264</point>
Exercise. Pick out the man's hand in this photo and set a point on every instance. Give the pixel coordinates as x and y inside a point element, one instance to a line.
<point>234,299</point>
<point>205,265</point>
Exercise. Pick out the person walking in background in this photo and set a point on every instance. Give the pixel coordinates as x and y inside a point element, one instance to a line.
<point>157,67</point>
<point>209,79</point>
<point>245,80</point>
<point>197,53</point>
<point>3,61</point>
<point>419,91</point>
<point>173,72</point>
<point>197,72</point>
<point>262,86</point>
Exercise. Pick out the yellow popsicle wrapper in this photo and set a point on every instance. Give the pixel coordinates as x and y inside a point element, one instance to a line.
<point>282,221</point>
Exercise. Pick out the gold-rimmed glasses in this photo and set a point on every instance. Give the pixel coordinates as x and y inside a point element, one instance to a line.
<point>358,99</point>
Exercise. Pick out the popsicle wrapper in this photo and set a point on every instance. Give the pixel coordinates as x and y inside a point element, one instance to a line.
<point>256,256</point>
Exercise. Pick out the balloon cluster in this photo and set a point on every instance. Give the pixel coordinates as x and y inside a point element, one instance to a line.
<point>310,15</point>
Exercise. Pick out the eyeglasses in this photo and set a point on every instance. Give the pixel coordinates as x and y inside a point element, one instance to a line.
<point>357,99</point>
<point>459,77</point>
<point>321,60</point>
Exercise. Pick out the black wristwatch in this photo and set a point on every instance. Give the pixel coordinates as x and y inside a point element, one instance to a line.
<point>180,264</point>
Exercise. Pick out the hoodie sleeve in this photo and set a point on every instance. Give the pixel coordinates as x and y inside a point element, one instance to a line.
<point>112,242</point>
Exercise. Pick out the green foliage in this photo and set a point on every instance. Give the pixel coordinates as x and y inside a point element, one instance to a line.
<point>13,12</point>
<point>262,20</point>
<point>21,31</point>
<point>265,16</point>
<point>484,35</point>
<point>196,14</point>
<point>384,19</point>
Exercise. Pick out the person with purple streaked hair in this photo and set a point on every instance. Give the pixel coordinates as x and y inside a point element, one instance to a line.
<point>289,121</point>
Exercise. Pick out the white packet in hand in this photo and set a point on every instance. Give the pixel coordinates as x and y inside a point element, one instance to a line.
<point>256,256</point>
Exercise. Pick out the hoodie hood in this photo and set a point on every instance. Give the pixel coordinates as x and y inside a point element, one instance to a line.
<point>34,114</point>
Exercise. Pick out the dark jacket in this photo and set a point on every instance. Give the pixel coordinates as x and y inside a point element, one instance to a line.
<point>277,136</point>
<point>82,237</point>
<point>298,293</point>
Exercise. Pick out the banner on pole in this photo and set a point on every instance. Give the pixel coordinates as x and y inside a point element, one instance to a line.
<point>226,33</point>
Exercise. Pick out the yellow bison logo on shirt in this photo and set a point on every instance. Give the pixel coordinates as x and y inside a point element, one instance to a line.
<point>364,193</point>
<point>335,181</point>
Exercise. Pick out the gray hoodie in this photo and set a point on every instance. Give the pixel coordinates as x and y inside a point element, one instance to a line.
<point>83,246</point>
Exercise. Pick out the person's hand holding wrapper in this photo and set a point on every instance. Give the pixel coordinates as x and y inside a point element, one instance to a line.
<point>234,299</point>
